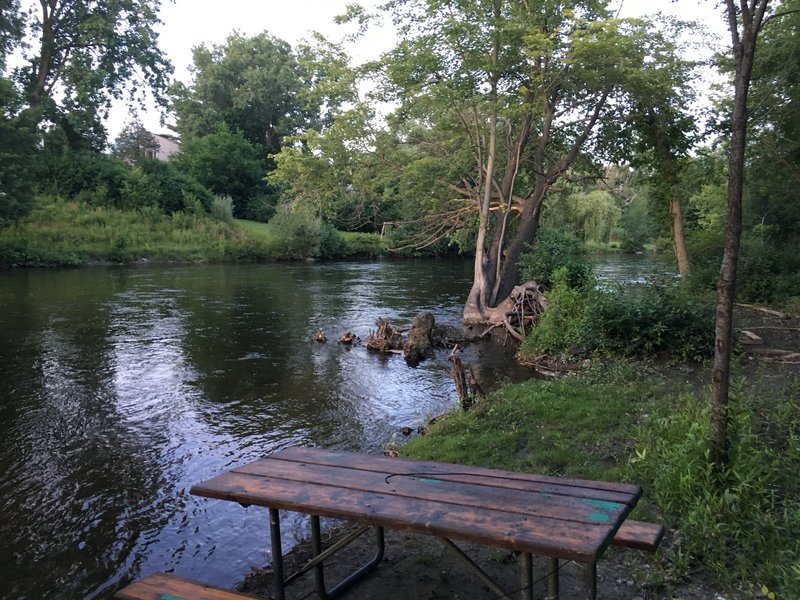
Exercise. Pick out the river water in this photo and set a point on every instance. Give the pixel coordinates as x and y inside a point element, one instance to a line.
<point>122,387</point>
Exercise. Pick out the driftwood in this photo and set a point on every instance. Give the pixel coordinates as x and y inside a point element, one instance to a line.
<point>522,308</point>
<point>467,388</point>
<point>767,311</point>
<point>419,344</point>
<point>748,338</point>
<point>386,339</point>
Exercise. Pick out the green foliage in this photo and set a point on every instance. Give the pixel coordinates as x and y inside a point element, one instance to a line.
<point>554,249</point>
<point>90,52</point>
<point>562,327</point>
<point>742,522</point>
<point>134,143</point>
<point>17,146</point>
<point>78,173</point>
<point>222,208</point>
<point>160,184</point>
<point>227,164</point>
<point>768,271</point>
<point>597,213</point>
<point>654,319</point>
<point>362,244</point>
<point>59,233</point>
<point>626,321</point>
<point>298,234</point>
<point>252,85</point>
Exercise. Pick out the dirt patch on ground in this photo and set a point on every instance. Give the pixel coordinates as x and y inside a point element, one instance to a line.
<point>422,568</point>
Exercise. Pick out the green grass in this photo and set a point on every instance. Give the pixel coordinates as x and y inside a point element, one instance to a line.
<point>574,427</point>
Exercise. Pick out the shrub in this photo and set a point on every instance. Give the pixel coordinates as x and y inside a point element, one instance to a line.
<point>645,320</point>
<point>627,321</point>
<point>554,249</point>
<point>298,234</point>
<point>222,208</point>
<point>562,326</point>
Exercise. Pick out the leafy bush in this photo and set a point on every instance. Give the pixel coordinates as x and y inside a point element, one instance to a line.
<point>298,234</point>
<point>554,249</point>
<point>741,521</point>
<point>768,272</point>
<point>627,321</point>
<point>648,320</point>
<point>222,208</point>
<point>562,326</point>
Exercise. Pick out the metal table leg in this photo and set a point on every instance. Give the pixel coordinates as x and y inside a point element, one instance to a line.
<point>591,581</point>
<point>277,554</point>
<point>526,562</point>
<point>552,580</point>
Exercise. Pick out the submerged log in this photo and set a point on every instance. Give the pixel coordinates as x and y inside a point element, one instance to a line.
<point>419,344</point>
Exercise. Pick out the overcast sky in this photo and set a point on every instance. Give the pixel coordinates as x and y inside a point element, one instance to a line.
<point>188,23</point>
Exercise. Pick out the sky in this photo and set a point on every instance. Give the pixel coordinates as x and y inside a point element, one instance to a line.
<point>189,23</point>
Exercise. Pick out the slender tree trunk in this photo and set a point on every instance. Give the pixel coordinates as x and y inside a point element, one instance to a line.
<point>744,48</point>
<point>482,283</point>
<point>677,234</point>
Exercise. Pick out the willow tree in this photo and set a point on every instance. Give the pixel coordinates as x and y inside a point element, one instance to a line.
<point>530,85</point>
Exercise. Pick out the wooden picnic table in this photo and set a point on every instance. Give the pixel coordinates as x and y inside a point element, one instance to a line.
<point>563,519</point>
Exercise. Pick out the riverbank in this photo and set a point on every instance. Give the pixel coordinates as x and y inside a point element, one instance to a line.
<point>60,233</point>
<point>733,538</point>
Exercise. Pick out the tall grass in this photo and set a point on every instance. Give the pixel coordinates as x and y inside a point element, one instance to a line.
<point>71,233</point>
<point>59,233</point>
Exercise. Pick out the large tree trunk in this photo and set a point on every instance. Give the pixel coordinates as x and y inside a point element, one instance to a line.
<point>744,48</point>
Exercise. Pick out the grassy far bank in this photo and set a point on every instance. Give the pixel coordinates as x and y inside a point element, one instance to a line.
<point>68,233</point>
<point>741,527</point>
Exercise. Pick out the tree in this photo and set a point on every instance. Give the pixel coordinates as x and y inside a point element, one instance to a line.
<point>658,116</point>
<point>87,52</point>
<point>17,146</point>
<point>227,164</point>
<point>134,143</point>
<point>11,26</point>
<point>253,85</point>
<point>745,21</point>
<point>530,85</point>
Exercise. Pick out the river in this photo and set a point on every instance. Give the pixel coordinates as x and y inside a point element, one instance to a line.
<point>122,387</point>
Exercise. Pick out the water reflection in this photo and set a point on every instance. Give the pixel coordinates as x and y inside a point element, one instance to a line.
<point>123,387</point>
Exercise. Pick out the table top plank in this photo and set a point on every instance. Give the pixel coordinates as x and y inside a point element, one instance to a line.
<point>581,506</point>
<point>384,464</point>
<point>564,539</point>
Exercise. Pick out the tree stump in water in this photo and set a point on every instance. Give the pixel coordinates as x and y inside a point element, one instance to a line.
<point>419,344</point>
<point>385,339</point>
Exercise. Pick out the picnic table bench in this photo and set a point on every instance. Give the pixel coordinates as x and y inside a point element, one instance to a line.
<point>562,519</point>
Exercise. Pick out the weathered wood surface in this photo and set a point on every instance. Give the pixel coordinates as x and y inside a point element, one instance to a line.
<point>162,585</point>
<point>562,518</point>
<point>639,535</point>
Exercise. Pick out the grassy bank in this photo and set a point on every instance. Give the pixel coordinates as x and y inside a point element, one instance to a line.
<point>61,233</point>
<point>741,526</point>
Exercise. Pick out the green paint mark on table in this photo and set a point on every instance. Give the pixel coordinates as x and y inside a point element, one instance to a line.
<point>603,505</point>
<point>599,517</point>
